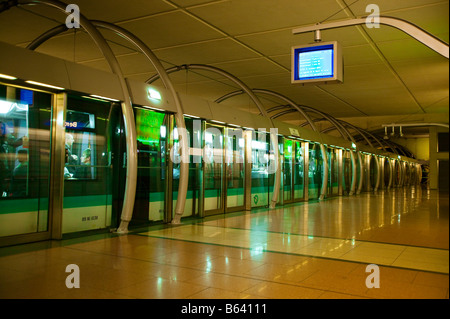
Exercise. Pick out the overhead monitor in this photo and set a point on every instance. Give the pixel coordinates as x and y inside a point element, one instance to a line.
<point>318,63</point>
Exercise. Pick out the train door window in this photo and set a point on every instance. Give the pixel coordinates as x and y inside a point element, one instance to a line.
<point>272,154</point>
<point>213,157</point>
<point>366,176</point>
<point>359,175</point>
<point>298,171</point>
<point>407,174</point>
<point>333,171</point>
<point>413,169</point>
<point>260,169</point>
<point>235,169</point>
<point>288,169</point>
<point>151,134</point>
<point>347,171</point>
<point>194,135</point>
<point>25,123</point>
<point>387,171</point>
<point>397,173</point>
<point>373,174</point>
<point>315,171</point>
<point>87,200</point>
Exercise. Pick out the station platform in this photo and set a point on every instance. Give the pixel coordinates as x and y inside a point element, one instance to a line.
<point>306,250</point>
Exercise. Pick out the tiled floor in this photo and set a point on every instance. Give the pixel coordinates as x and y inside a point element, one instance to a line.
<point>304,250</point>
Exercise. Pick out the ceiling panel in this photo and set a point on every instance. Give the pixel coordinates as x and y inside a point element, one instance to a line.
<point>281,41</point>
<point>211,90</point>
<point>18,25</point>
<point>190,3</point>
<point>106,10</point>
<point>432,18</point>
<point>360,54</point>
<point>215,51</point>
<point>428,80</point>
<point>407,49</point>
<point>237,17</point>
<point>317,98</point>
<point>170,29</point>
<point>437,107</point>
<point>99,64</point>
<point>367,85</point>
<point>250,67</point>
<point>388,7</point>
<point>77,47</point>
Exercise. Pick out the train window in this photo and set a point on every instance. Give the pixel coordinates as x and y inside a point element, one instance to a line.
<point>315,170</point>
<point>24,160</point>
<point>14,148</point>
<point>80,144</point>
<point>443,142</point>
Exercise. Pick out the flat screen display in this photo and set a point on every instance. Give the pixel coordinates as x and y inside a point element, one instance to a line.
<point>79,120</point>
<point>316,63</point>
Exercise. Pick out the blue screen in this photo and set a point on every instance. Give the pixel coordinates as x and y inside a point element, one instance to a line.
<point>26,97</point>
<point>314,62</point>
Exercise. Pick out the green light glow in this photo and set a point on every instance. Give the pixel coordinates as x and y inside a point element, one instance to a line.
<point>148,126</point>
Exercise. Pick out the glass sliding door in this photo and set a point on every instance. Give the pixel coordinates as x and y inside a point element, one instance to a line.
<point>213,171</point>
<point>293,171</point>
<point>347,166</point>
<point>366,177</point>
<point>315,171</point>
<point>288,170</point>
<point>333,172</point>
<point>373,172</point>
<point>299,171</point>
<point>262,181</point>
<point>25,147</point>
<point>193,196</point>
<point>151,132</point>
<point>87,203</point>
<point>235,169</point>
<point>359,175</point>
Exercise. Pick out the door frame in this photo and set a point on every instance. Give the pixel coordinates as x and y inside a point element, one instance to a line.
<point>304,145</point>
<point>221,209</point>
<point>225,179</point>
<point>224,182</point>
<point>56,175</point>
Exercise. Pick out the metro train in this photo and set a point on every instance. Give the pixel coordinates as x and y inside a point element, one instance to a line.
<point>63,154</point>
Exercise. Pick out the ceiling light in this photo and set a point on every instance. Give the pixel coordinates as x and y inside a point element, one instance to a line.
<point>104,98</point>
<point>153,94</point>
<point>92,98</point>
<point>45,85</point>
<point>153,108</point>
<point>8,77</point>
<point>193,116</point>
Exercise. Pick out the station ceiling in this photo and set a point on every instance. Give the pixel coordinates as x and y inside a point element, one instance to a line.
<point>386,72</point>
